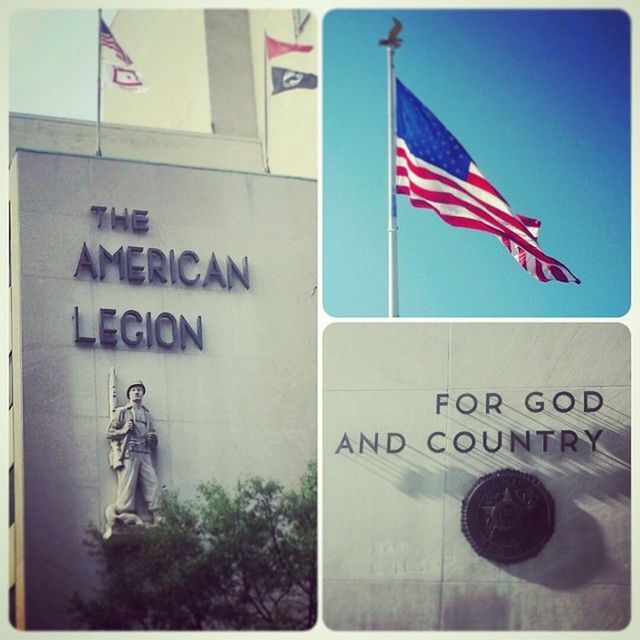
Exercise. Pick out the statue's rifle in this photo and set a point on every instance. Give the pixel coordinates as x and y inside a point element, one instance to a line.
<point>112,392</point>
<point>118,447</point>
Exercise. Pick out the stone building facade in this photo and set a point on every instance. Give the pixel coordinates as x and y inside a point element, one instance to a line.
<point>173,258</point>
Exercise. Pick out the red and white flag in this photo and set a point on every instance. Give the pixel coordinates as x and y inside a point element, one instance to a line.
<point>124,78</point>
<point>436,172</point>
<point>277,48</point>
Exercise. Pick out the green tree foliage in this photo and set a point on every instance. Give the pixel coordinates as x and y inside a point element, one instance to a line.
<point>224,560</point>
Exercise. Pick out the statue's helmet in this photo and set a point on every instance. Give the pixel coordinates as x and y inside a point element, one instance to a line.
<point>136,383</point>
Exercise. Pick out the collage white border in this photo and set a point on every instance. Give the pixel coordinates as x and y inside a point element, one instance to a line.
<point>631,319</point>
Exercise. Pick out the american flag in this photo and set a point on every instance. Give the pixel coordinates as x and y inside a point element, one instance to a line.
<point>435,172</point>
<point>107,40</point>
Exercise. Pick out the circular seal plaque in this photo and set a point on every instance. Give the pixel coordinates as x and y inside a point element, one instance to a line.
<point>508,516</point>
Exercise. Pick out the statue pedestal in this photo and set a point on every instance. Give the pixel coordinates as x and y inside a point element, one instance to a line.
<point>123,524</point>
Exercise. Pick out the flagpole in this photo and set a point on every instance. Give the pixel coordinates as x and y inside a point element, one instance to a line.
<point>392,228</point>
<point>98,149</point>
<point>265,146</point>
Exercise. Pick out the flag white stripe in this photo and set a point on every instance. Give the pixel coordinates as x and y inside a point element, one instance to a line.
<point>482,200</point>
<point>537,263</point>
<point>436,186</point>
<point>458,211</point>
<point>474,190</point>
<point>457,191</point>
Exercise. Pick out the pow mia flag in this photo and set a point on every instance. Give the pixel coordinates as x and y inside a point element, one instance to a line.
<point>285,79</point>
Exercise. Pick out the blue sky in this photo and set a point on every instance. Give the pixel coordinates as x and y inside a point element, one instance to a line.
<point>540,100</point>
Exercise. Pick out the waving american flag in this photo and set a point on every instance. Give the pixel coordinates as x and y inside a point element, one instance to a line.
<point>435,172</point>
<point>108,40</point>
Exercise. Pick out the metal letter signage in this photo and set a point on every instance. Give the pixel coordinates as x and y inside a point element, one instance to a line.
<point>137,265</point>
<point>508,516</point>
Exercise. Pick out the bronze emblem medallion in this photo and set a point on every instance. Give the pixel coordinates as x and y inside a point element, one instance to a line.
<point>508,516</point>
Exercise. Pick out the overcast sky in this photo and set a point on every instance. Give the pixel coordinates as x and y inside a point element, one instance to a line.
<point>54,61</point>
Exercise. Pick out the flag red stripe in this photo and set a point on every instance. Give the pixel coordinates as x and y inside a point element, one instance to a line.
<point>536,270</point>
<point>458,192</point>
<point>529,222</point>
<point>457,221</point>
<point>116,48</point>
<point>504,214</point>
<point>447,198</point>
<point>454,221</point>
<point>539,273</point>
<point>108,40</point>
<point>423,172</point>
<point>483,183</point>
<point>532,247</point>
<point>402,171</point>
<point>559,274</point>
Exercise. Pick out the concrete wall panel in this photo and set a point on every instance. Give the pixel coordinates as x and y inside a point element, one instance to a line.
<point>150,145</point>
<point>392,521</point>
<point>399,605</point>
<point>414,358</point>
<point>243,405</point>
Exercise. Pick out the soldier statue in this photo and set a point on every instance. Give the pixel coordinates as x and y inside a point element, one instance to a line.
<point>132,435</point>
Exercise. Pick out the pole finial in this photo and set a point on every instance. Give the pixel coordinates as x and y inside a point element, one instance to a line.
<point>392,41</point>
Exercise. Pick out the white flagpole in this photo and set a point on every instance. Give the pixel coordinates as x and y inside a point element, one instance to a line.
<point>265,146</point>
<point>393,220</point>
<point>98,149</point>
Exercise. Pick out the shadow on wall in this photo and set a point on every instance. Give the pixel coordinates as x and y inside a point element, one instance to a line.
<point>573,557</point>
<point>576,553</point>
